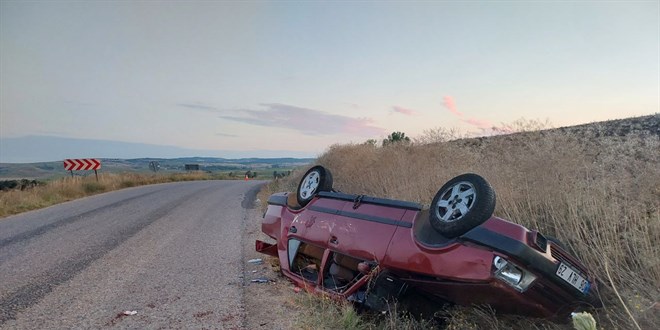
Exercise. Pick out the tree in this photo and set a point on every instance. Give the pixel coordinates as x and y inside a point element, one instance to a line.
<point>396,137</point>
<point>154,166</point>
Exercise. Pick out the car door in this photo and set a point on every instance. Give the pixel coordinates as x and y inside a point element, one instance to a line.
<point>343,223</point>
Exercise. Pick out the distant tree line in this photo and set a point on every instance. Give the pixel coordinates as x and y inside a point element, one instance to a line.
<point>23,184</point>
<point>392,139</point>
<point>396,137</point>
<point>251,174</point>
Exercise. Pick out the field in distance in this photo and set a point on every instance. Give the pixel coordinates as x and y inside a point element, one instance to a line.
<point>264,167</point>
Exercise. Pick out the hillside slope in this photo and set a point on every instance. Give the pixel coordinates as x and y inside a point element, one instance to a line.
<point>595,186</point>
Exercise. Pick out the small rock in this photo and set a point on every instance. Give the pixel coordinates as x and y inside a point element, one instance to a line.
<point>255,261</point>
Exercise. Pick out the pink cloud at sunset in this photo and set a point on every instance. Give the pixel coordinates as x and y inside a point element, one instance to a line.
<point>449,103</point>
<point>404,111</point>
<point>482,124</point>
<point>479,123</point>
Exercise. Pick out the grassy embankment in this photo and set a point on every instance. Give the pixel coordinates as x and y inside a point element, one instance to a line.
<point>70,188</point>
<point>596,191</point>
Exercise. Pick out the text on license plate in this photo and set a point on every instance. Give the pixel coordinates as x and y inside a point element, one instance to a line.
<point>570,275</point>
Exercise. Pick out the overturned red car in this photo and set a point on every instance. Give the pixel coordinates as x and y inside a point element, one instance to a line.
<point>371,250</point>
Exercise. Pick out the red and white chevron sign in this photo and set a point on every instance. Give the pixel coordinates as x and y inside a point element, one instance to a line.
<point>81,164</point>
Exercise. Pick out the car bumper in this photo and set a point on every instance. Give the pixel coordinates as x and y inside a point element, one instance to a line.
<point>549,286</point>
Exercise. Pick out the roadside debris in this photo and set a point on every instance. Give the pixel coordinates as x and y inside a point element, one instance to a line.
<point>260,280</point>
<point>583,321</point>
<point>119,316</point>
<point>255,261</point>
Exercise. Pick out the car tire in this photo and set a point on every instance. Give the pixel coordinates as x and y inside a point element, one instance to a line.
<point>461,204</point>
<point>315,180</point>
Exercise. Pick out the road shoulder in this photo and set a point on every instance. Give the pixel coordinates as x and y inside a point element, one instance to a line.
<point>268,305</point>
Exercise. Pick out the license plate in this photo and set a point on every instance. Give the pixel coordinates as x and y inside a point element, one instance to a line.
<point>570,275</point>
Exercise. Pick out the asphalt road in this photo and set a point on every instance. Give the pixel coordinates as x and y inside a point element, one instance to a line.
<point>171,252</point>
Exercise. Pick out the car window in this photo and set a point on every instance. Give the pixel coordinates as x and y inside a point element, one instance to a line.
<point>294,244</point>
<point>305,259</point>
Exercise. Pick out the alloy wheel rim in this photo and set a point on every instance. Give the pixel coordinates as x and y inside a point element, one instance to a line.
<point>310,184</point>
<point>456,201</point>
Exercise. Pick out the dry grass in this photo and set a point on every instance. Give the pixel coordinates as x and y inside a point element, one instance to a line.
<point>70,188</point>
<point>321,312</point>
<point>598,193</point>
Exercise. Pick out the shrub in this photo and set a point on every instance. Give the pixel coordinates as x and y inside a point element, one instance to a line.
<point>127,184</point>
<point>93,187</point>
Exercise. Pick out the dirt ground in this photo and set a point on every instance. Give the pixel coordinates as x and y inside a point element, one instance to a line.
<point>268,305</point>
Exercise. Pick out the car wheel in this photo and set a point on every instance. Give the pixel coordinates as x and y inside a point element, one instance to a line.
<point>315,180</point>
<point>463,203</point>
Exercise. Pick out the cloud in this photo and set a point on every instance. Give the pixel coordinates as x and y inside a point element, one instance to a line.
<point>449,103</point>
<point>226,135</point>
<point>197,106</point>
<point>306,121</point>
<point>479,123</point>
<point>404,111</point>
<point>79,103</point>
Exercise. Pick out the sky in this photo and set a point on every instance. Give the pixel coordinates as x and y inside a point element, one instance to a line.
<point>291,78</point>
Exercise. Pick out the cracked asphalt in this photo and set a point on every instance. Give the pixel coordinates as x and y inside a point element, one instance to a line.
<point>171,252</point>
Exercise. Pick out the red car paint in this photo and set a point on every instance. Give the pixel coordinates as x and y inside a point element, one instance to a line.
<point>390,235</point>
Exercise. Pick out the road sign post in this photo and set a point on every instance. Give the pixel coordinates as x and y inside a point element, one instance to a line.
<point>83,165</point>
